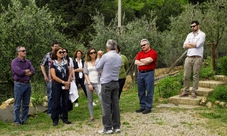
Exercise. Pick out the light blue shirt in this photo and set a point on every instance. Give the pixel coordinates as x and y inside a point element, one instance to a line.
<point>199,39</point>
<point>110,64</point>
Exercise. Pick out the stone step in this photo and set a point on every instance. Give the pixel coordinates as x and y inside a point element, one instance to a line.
<point>211,83</point>
<point>220,78</point>
<point>201,91</point>
<point>185,100</point>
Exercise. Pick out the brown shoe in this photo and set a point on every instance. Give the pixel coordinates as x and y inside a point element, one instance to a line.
<point>183,94</point>
<point>193,95</point>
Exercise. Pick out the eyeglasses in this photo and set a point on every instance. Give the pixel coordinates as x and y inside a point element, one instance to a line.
<point>143,45</point>
<point>92,53</point>
<point>193,26</point>
<point>22,51</point>
<point>61,52</point>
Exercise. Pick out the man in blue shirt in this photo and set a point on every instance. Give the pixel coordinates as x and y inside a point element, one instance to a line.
<point>110,64</point>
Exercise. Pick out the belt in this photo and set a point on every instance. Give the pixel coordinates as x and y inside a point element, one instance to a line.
<point>144,71</point>
<point>24,82</point>
<point>113,81</point>
<point>194,56</point>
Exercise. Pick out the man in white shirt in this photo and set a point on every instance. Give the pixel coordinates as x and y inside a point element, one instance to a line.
<point>193,63</point>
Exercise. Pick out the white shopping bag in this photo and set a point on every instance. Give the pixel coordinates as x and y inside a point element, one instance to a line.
<point>73,91</point>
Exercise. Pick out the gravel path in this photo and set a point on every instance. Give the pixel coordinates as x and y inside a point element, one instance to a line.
<point>161,122</point>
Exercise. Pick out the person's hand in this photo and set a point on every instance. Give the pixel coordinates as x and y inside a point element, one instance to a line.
<point>99,54</point>
<point>67,83</point>
<point>28,72</point>
<point>66,87</point>
<point>45,78</point>
<point>90,87</point>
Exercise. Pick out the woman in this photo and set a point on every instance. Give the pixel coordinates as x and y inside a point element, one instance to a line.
<point>92,82</point>
<point>70,63</point>
<point>61,77</point>
<point>122,72</point>
<point>78,69</point>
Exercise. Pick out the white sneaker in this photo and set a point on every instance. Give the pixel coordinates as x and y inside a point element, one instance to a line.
<point>76,104</point>
<point>117,130</point>
<point>105,131</point>
<point>94,104</point>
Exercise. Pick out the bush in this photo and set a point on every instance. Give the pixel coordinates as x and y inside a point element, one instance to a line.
<point>224,65</point>
<point>220,93</point>
<point>207,70</point>
<point>169,86</point>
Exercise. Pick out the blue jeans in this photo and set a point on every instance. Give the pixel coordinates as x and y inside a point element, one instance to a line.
<point>110,106</point>
<point>22,93</point>
<point>49,91</point>
<point>145,83</point>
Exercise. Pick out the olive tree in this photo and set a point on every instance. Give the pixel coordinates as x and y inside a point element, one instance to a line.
<point>31,27</point>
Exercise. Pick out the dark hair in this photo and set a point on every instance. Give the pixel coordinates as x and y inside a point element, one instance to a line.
<point>195,21</point>
<point>67,57</point>
<point>75,53</point>
<point>54,53</point>
<point>53,43</point>
<point>88,57</point>
<point>118,48</point>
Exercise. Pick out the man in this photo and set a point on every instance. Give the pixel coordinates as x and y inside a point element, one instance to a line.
<point>194,43</point>
<point>46,62</point>
<point>110,64</point>
<point>146,61</point>
<point>22,70</point>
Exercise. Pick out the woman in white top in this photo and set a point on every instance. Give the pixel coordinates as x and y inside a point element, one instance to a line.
<point>92,82</point>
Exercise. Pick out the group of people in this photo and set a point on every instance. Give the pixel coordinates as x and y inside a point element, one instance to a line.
<point>103,73</point>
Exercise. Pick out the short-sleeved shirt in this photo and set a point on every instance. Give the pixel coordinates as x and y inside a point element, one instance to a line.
<point>92,73</point>
<point>61,69</point>
<point>142,55</point>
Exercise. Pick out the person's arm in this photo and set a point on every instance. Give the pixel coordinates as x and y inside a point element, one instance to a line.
<point>139,63</point>
<point>99,63</point>
<point>42,66</point>
<point>57,79</point>
<point>30,71</point>
<point>15,67</point>
<point>147,60</point>
<point>201,40</point>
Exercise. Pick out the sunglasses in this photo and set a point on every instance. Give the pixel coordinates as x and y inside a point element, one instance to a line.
<point>22,51</point>
<point>143,45</point>
<point>193,26</point>
<point>92,53</point>
<point>61,52</point>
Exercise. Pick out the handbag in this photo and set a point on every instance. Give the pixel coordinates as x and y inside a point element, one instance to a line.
<point>73,91</point>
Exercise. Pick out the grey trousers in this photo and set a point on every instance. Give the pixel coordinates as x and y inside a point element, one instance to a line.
<point>97,89</point>
<point>192,65</point>
<point>110,105</point>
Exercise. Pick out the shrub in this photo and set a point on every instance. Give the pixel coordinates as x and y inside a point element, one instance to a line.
<point>207,70</point>
<point>169,86</point>
<point>224,65</point>
<point>220,93</point>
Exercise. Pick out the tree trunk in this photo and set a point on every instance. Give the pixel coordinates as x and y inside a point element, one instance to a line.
<point>213,55</point>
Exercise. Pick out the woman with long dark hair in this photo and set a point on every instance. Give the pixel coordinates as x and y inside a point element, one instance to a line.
<point>92,82</point>
<point>61,77</point>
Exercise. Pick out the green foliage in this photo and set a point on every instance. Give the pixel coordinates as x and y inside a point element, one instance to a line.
<point>29,26</point>
<point>207,71</point>
<point>169,86</point>
<point>128,36</point>
<point>220,93</point>
<point>223,65</point>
